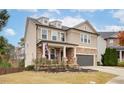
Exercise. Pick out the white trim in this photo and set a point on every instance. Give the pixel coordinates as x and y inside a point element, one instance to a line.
<point>84,54</point>
<point>64,37</point>
<point>86,47</point>
<point>94,57</point>
<point>83,37</point>
<point>52,35</point>
<point>41,33</point>
<point>88,37</point>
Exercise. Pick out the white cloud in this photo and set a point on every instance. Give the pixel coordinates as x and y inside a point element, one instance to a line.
<point>71,21</point>
<point>87,10</point>
<point>10,32</point>
<point>119,14</point>
<point>54,11</point>
<point>28,10</point>
<point>112,28</point>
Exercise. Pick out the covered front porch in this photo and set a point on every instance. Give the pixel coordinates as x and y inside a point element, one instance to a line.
<point>120,51</point>
<point>120,55</point>
<point>59,52</point>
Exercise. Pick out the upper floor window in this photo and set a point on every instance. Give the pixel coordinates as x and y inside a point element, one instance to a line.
<point>82,38</point>
<point>85,38</point>
<point>111,41</point>
<point>44,34</point>
<point>54,35</point>
<point>89,38</point>
<point>62,36</point>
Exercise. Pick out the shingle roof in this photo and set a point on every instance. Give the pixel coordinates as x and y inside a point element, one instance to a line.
<point>117,47</point>
<point>64,28</point>
<point>37,22</point>
<point>106,35</point>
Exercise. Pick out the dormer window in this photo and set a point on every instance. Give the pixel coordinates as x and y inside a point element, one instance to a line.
<point>44,20</point>
<point>57,24</point>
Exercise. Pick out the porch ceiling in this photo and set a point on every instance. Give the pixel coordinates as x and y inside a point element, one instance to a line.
<point>57,43</point>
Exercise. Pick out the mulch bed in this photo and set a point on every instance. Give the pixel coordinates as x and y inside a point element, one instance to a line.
<point>64,69</point>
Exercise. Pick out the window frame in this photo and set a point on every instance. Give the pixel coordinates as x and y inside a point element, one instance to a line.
<point>111,41</point>
<point>88,37</point>
<point>42,33</point>
<point>61,36</point>
<point>81,34</point>
<point>54,35</point>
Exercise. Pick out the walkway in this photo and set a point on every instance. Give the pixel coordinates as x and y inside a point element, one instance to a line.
<point>113,70</point>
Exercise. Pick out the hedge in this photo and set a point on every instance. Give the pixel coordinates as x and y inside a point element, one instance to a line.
<point>10,70</point>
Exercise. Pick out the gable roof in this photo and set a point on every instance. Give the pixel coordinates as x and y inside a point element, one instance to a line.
<point>85,22</point>
<point>38,23</point>
<point>64,28</point>
<point>107,35</point>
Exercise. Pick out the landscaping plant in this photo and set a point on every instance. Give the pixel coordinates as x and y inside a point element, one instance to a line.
<point>110,57</point>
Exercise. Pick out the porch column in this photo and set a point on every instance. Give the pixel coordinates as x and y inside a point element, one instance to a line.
<point>120,53</point>
<point>43,49</point>
<point>64,53</point>
<point>75,57</point>
<point>49,55</point>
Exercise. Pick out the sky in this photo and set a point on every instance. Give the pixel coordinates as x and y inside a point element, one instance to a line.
<point>101,19</point>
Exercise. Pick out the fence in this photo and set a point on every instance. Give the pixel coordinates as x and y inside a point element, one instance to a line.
<point>10,70</point>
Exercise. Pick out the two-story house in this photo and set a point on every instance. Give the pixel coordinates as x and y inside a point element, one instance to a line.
<point>52,40</point>
<point>112,41</point>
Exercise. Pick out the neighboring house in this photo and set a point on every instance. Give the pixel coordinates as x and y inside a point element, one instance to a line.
<point>19,53</point>
<point>52,40</point>
<point>101,46</point>
<point>112,41</point>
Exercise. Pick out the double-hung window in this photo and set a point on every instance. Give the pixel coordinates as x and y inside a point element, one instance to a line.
<point>89,39</point>
<point>82,38</point>
<point>44,34</point>
<point>85,38</point>
<point>54,35</point>
<point>62,37</point>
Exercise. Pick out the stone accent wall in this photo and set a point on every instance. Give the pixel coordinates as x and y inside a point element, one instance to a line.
<point>39,52</point>
<point>70,55</point>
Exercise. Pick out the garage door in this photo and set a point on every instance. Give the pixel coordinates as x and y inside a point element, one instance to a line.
<point>85,60</point>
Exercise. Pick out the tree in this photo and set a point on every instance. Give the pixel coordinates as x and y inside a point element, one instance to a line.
<point>110,57</point>
<point>21,43</point>
<point>6,49</point>
<point>121,38</point>
<point>4,16</point>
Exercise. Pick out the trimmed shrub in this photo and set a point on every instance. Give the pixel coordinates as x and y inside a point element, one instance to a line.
<point>29,68</point>
<point>110,57</point>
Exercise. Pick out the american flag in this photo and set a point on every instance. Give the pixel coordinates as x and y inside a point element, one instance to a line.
<point>46,48</point>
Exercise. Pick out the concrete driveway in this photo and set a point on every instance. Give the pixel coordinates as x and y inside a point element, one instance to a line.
<point>113,70</point>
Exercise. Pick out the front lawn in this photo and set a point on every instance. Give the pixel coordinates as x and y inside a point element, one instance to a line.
<point>30,77</point>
